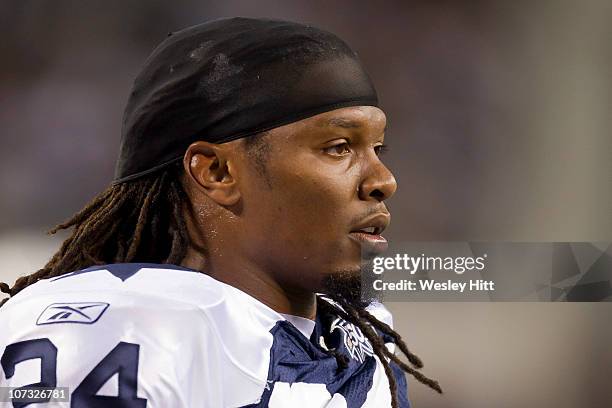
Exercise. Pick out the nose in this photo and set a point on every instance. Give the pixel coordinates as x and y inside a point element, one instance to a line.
<point>378,182</point>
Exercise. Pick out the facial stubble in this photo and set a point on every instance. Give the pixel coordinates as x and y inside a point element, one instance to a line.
<point>351,286</point>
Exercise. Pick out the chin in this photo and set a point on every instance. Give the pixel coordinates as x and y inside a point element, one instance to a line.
<point>347,285</point>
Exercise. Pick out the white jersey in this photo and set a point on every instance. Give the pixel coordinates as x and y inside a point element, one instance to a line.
<point>149,335</point>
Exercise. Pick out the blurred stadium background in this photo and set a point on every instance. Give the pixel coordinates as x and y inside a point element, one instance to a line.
<point>499,128</point>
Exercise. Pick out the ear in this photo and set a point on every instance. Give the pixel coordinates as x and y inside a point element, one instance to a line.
<point>208,169</point>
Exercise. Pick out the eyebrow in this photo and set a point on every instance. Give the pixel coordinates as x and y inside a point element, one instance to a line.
<point>347,123</point>
<point>344,123</point>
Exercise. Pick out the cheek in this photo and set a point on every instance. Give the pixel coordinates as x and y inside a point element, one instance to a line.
<point>306,212</point>
<point>312,203</point>
<point>302,227</point>
<point>313,216</point>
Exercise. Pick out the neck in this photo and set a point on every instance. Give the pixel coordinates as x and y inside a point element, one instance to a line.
<point>254,281</point>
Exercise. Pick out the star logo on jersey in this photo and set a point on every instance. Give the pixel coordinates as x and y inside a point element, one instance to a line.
<point>355,342</point>
<point>80,312</point>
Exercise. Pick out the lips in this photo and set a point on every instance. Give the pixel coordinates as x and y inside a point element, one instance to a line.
<point>367,234</point>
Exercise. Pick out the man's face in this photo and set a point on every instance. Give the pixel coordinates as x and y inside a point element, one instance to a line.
<point>323,182</point>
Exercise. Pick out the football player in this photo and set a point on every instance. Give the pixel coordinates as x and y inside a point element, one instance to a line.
<point>221,267</point>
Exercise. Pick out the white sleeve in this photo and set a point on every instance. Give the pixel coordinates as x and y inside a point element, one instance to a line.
<point>381,312</point>
<point>108,346</point>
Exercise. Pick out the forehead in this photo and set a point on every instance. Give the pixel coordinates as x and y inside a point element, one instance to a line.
<point>356,117</point>
<point>357,120</point>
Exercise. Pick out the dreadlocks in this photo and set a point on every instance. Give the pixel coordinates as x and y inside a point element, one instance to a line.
<point>136,221</point>
<point>142,221</point>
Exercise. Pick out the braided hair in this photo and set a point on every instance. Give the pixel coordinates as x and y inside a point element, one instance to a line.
<point>142,221</point>
<point>136,221</point>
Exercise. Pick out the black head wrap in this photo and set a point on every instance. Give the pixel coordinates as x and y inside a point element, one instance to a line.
<point>231,78</point>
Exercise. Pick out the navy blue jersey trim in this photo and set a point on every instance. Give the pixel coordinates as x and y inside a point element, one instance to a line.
<point>124,271</point>
<point>294,358</point>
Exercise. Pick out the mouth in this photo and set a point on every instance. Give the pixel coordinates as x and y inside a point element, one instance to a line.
<point>368,235</point>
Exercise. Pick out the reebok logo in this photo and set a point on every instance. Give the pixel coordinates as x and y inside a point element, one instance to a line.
<point>81,312</point>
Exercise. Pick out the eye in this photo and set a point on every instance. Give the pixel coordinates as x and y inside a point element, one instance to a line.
<point>339,149</point>
<point>381,149</point>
